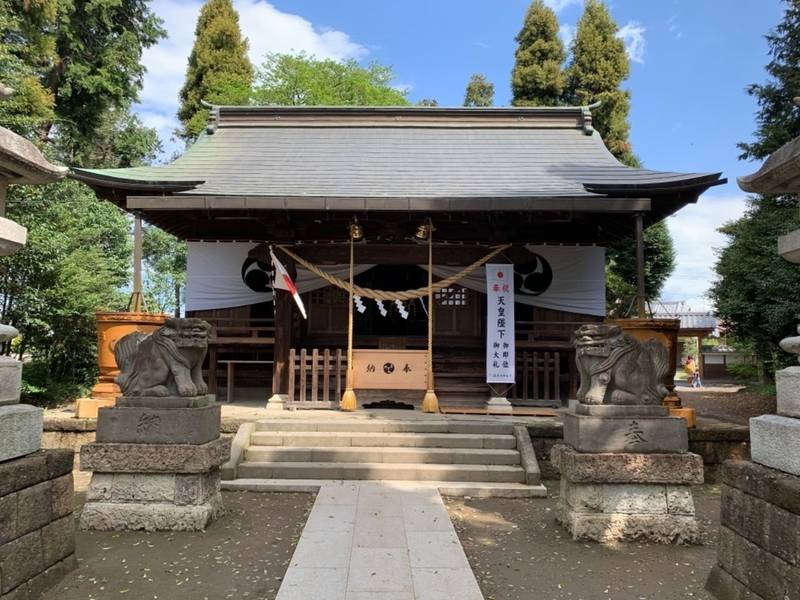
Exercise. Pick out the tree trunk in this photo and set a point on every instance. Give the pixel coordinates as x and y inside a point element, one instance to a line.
<point>177,300</point>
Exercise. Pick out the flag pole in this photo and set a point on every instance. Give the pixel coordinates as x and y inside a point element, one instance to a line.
<point>430,403</point>
<point>349,402</point>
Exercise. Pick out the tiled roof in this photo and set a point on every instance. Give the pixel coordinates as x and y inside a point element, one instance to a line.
<point>501,153</point>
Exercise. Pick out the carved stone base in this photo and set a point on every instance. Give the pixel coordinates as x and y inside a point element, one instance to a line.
<point>153,487</point>
<point>152,501</point>
<point>639,434</point>
<point>140,425</point>
<point>165,401</point>
<point>628,497</point>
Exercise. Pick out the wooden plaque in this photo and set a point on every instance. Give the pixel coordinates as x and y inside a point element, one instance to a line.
<point>389,369</point>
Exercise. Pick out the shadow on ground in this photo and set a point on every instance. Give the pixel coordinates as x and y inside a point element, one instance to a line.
<point>243,555</point>
<point>518,552</point>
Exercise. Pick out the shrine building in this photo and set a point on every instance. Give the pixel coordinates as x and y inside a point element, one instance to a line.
<point>530,187</point>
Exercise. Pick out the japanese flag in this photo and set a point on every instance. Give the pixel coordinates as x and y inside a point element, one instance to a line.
<point>284,282</point>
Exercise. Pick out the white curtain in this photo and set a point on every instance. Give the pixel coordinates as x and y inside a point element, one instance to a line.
<point>577,285</point>
<point>215,277</point>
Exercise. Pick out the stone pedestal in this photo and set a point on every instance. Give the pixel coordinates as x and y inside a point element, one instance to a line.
<point>499,405</point>
<point>626,496</point>
<point>154,469</point>
<point>610,428</point>
<point>759,546</point>
<point>37,527</point>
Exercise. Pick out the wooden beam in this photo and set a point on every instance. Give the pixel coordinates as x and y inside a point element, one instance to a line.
<point>640,297</point>
<point>596,204</point>
<point>394,254</point>
<point>284,307</point>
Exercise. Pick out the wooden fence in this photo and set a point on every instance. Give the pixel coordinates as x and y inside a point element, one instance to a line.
<point>540,378</point>
<point>316,378</point>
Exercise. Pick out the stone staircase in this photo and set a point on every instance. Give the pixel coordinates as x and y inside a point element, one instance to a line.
<point>478,457</point>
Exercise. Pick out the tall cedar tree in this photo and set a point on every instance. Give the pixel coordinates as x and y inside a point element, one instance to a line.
<point>598,67</point>
<point>755,294</point>
<point>480,91</point>
<point>538,77</point>
<point>71,62</point>
<point>219,71</point>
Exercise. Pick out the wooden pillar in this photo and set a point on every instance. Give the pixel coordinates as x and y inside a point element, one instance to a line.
<point>641,311</point>
<point>284,307</point>
<point>701,363</point>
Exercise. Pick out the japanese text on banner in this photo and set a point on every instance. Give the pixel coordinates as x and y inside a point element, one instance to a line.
<point>500,359</point>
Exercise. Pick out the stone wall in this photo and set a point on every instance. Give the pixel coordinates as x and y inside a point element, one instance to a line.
<point>715,441</point>
<point>759,547</point>
<point>37,527</point>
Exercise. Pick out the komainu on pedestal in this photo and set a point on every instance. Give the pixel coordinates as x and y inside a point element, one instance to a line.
<point>626,472</point>
<point>156,460</point>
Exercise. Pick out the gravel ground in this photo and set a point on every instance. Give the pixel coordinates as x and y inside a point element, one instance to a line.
<point>243,555</point>
<point>518,552</point>
<point>735,407</point>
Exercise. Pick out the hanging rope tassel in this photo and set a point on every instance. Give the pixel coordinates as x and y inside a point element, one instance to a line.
<point>430,403</point>
<point>349,401</point>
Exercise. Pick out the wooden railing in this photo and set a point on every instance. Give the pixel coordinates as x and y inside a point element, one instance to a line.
<point>540,377</point>
<point>316,378</point>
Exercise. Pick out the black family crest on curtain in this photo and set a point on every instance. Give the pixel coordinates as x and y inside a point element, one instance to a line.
<point>533,277</point>
<point>257,275</point>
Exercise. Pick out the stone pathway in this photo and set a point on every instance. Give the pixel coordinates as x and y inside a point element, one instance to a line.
<point>379,540</point>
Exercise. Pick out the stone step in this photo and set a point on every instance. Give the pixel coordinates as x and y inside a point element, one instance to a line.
<point>381,471</point>
<point>344,438</point>
<point>446,488</point>
<point>475,427</point>
<point>382,454</point>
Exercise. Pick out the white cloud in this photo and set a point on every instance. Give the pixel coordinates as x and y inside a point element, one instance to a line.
<point>267,30</point>
<point>566,33</point>
<point>559,5</point>
<point>632,33</point>
<point>694,232</point>
<point>673,27</point>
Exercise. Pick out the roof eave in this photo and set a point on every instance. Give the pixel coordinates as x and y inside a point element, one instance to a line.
<point>132,185</point>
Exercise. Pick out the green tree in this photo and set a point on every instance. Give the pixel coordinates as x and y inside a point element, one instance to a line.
<point>76,70</point>
<point>83,57</point>
<point>598,67</point>
<point>301,79</point>
<point>755,294</point>
<point>778,118</point>
<point>164,270</point>
<point>219,71</point>
<point>76,261</point>
<point>480,91</point>
<point>621,275</point>
<point>538,78</point>
<point>428,102</point>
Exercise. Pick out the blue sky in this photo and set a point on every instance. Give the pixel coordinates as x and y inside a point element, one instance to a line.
<point>691,61</point>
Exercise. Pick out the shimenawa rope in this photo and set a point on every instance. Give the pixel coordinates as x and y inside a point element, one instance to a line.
<point>392,296</point>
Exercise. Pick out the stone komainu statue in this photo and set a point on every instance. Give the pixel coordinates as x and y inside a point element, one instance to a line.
<point>167,362</point>
<point>615,368</point>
